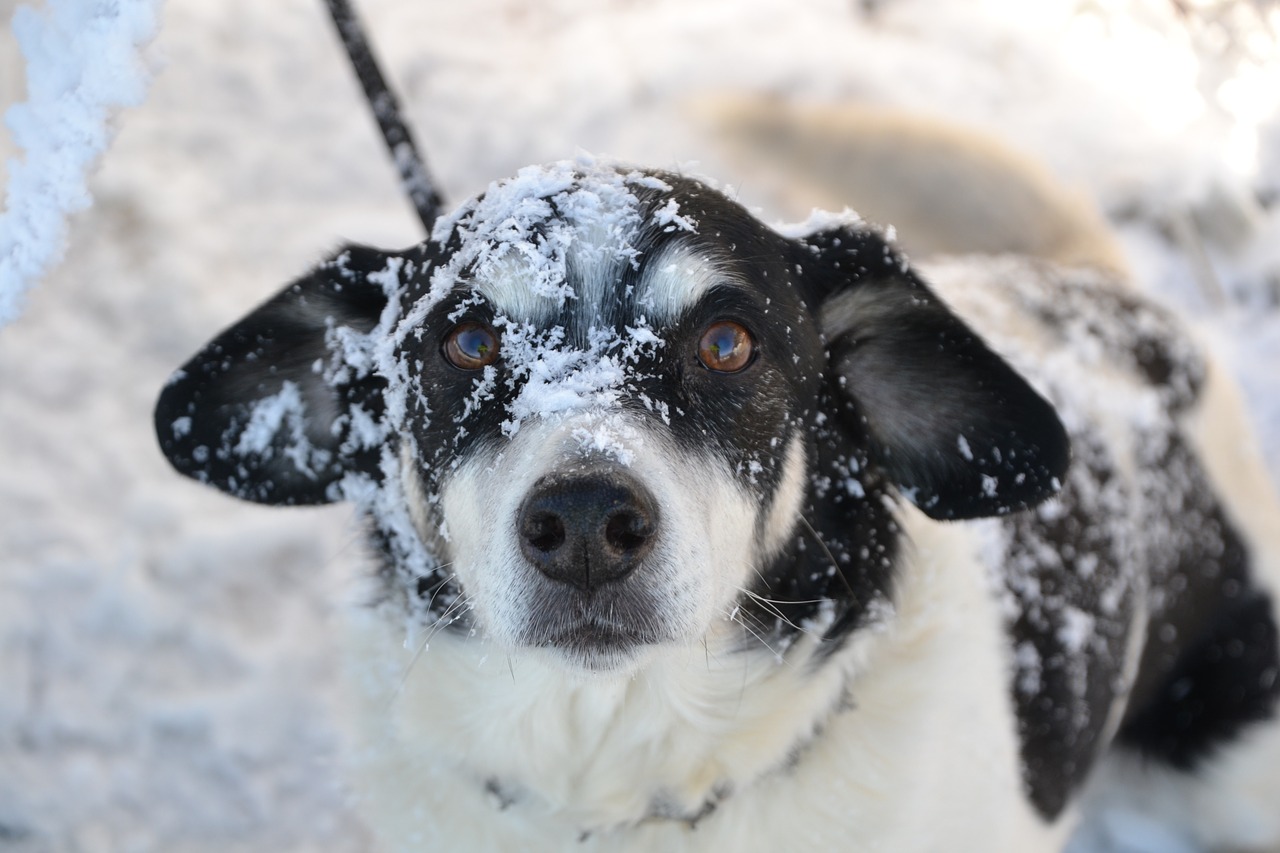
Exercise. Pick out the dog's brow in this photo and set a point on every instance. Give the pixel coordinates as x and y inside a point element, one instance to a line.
<point>677,277</point>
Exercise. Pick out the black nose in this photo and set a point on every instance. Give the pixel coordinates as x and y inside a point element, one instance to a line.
<point>587,529</point>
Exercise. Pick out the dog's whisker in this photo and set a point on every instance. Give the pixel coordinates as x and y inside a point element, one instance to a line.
<point>742,618</point>
<point>457,606</point>
<point>781,602</point>
<point>429,634</point>
<point>435,569</point>
<point>772,607</point>
<point>439,587</point>
<point>769,605</point>
<point>761,639</point>
<point>835,565</point>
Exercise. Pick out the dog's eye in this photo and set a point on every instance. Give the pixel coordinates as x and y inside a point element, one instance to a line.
<point>471,346</point>
<point>726,347</point>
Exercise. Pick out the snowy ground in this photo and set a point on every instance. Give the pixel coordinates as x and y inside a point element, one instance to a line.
<point>166,674</point>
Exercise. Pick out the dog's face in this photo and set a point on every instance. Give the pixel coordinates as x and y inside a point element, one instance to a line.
<point>601,410</point>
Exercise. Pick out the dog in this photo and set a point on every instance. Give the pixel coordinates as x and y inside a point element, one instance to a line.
<point>699,534</point>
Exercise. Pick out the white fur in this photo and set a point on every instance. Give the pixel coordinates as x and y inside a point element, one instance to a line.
<point>677,279</point>
<point>706,545</point>
<point>904,717</point>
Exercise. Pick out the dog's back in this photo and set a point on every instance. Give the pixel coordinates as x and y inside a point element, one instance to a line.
<point>1151,584</point>
<point>945,189</point>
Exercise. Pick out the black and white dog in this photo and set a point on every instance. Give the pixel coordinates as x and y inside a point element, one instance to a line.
<point>702,535</point>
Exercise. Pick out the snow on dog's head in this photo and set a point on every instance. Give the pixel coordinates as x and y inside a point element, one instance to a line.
<point>597,411</point>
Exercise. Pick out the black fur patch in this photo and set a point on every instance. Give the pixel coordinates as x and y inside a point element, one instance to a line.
<point>948,420</point>
<point>1226,679</point>
<point>1085,557</point>
<point>1212,662</point>
<point>1072,592</point>
<point>209,417</point>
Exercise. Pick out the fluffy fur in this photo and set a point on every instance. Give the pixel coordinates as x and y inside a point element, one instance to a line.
<point>971,564</point>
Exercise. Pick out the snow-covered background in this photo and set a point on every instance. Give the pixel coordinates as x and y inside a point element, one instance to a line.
<point>166,668</point>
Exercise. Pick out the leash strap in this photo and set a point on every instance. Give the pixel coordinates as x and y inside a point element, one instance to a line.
<point>414,178</point>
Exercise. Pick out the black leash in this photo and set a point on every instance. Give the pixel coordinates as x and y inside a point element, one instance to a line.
<point>414,178</point>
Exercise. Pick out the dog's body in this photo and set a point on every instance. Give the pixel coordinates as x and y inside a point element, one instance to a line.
<point>673,510</point>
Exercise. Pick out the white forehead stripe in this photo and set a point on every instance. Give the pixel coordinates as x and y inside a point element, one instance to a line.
<point>520,241</point>
<point>674,280</point>
<point>570,233</point>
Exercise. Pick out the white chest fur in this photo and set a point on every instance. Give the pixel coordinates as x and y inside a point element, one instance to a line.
<point>903,741</point>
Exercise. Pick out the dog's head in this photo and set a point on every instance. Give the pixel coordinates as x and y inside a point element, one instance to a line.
<point>602,409</point>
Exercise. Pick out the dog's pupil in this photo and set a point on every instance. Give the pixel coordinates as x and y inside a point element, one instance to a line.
<point>471,346</point>
<point>725,347</point>
<point>473,343</point>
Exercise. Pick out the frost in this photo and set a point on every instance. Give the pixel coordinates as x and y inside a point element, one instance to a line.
<point>669,217</point>
<point>1029,668</point>
<point>819,221</point>
<point>555,379</point>
<point>610,437</point>
<point>281,413</point>
<point>1076,630</point>
<point>82,63</point>
<point>643,179</point>
<point>520,234</point>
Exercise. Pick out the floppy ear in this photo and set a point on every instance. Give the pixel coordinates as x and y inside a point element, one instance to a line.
<point>268,411</point>
<point>948,420</point>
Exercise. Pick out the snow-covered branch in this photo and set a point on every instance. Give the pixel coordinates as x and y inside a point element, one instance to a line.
<point>82,62</point>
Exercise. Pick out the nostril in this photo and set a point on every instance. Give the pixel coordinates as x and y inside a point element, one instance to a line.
<point>544,531</point>
<point>627,532</point>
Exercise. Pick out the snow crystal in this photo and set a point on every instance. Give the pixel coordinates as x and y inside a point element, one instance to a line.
<point>610,437</point>
<point>519,234</point>
<point>817,222</point>
<point>644,179</point>
<point>82,62</point>
<point>669,216</point>
<point>267,417</point>
<point>281,413</point>
<point>555,378</point>
<point>1029,666</point>
<point>1076,630</point>
<point>990,486</point>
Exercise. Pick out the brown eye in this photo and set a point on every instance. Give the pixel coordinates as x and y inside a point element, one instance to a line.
<point>726,347</point>
<point>471,346</point>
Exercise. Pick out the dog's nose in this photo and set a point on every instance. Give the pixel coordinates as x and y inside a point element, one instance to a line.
<point>587,529</point>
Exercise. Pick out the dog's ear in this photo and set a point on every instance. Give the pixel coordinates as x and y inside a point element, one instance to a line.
<point>949,421</point>
<point>269,410</point>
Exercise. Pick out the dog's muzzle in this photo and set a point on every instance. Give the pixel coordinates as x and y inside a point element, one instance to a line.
<point>587,528</point>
